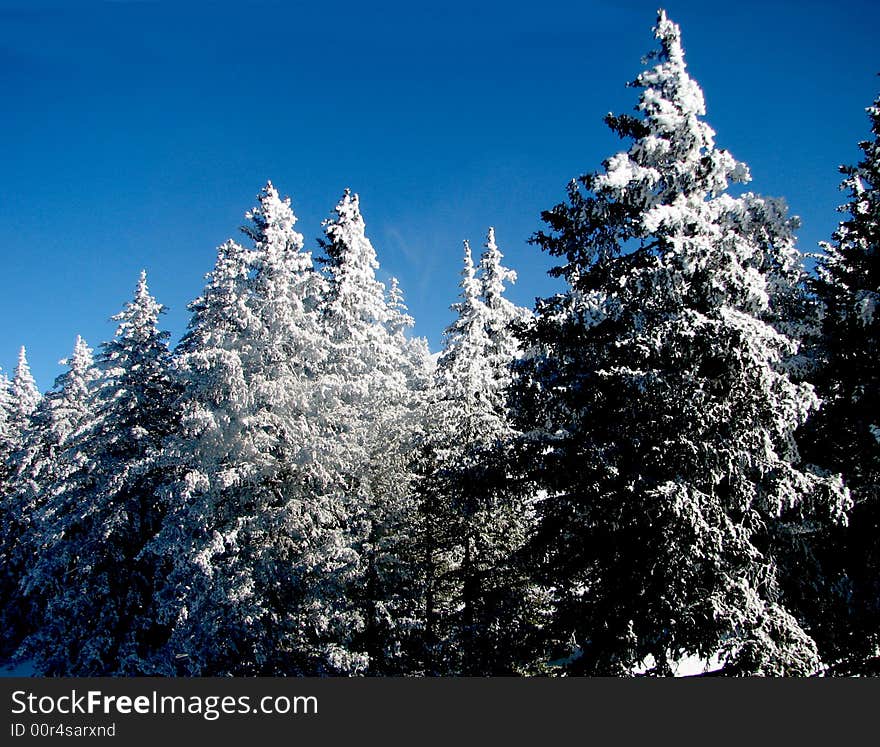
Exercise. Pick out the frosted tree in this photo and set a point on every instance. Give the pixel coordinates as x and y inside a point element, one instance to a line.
<point>39,465</point>
<point>844,436</point>
<point>503,317</point>
<point>25,394</point>
<point>7,437</point>
<point>98,617</point>
<point>19,402</point>
<point>6,411</point>
<point>656,407</point>
<point>415,350</point>
<point>255,541</point>
<point>477,616</point>
<point>371,404</point>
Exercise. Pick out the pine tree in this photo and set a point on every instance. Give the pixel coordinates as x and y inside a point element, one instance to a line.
<point>371,403</point>
<point>503,317</point>
<point>477,617</point>
<point>20,400</point>
<point>254,537</point>
<point>415,351</point>
<point>656,405</point>
<point>844,436</point>
<point>6,410</point>
<point>38,467</point>
<point>25,395</point>
<point>98,618</point>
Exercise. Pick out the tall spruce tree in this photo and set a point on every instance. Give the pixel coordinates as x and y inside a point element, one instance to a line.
<point>255,535</point>
<point>656,406</point>
<point>7,439</point>
<point>39,464</point>
<point>19,402</point>
<point>98,617</point>
<point>844,436</point>
<point>472,522</point>
<point>25,395</point>
<point>6,446</point>
<point>5,411</point>
<point>417,362</point>
<point>371,402</point>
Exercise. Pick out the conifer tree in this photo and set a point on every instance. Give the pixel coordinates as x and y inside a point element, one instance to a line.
<point>39,465</point>
<point>25,395</point>
<point>6,415</point>
<point>472,521</point>
<point>19,401</point>
<point>844,436</point>
<point>370,404</point>
<point>656,407</point>
<point>255,539</point>
<point>6,445</point>
<point>98,617</point>
<point>416,354</point>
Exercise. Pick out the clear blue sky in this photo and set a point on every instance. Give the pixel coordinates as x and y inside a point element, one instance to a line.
<point>137,133</point>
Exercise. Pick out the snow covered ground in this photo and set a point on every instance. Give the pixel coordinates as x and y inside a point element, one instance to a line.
<point>687,666</point>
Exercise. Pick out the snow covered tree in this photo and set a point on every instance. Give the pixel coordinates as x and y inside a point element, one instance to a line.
<point>98,618</point>
<point>6,431</point>
<point>656,407</point>
<point>25,395</point>
<point>477,615</point>
<point>6,410</point>
<point>503,317</point>
<point>371,403</point>
<point>844,436</point>
<point>20,399</point>
<point>38,467</point>
<point>7,439</point>
<point>416,353</point>
<point>254,537</point>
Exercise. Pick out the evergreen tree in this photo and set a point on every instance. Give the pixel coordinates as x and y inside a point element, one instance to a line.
<point>254,537</point>
<point>98,618</point>
<point>503,317</point>
<point>6,414</point>
<point>418,366</point>
<point>38,466</point>
<point>844,436</point>
<point>477,615</point>
<point>371,403</point>
<point>25,395</point>
<point>657,407</point>
<point>7,439</point>
<point>19,400</point>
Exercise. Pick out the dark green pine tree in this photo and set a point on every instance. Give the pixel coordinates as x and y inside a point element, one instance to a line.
<point>844,436</point>
<point>98,618</point>
<point>481,611</point>
<point>656,406</point>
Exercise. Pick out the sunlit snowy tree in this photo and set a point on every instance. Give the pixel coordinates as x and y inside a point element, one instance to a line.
<point>656,407</point>
<point>477,613</point>
<point>38,466</point>
<point>98,617</point>
<point>20,399</point>
<point>25,395</point>
<point>373,397</point>
<point>255,533</point>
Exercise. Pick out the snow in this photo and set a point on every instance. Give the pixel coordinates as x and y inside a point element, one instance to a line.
<point>686,666</point>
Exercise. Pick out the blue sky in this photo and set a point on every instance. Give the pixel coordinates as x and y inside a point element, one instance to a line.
<point>136,133</point>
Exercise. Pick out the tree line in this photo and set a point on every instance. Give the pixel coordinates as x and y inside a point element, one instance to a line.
<point>675,456</point>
